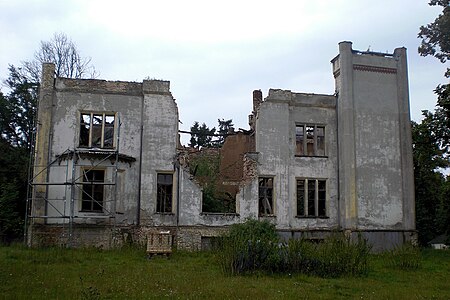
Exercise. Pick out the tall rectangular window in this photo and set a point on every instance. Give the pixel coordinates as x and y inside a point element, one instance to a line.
<point>311,198</point>
<point>164,193</point>
<point>301,197</point>
<point>93,191</point>
<point>309,140</point>
<point>97,130</point>
<point>265,195</point>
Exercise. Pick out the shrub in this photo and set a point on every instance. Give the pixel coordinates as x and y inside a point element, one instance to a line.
<point>340,255</point>
<point>248,247</point>
<point>404,257</point>
<point>335,256</point>
<point>254,246</point>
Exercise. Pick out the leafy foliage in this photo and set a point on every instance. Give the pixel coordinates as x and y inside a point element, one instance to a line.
<point>224,128</point>
<point>17,117</point>
<point>431,138</point>
<point>18,108</point>
<point>13,186</point>
<point>248,247</point>
<point>201,136</point>
<point>429,182</point>
<point>254,247</point>
<point>205,169</point>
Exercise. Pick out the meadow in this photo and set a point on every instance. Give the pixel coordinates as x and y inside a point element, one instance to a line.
<point>56,273</point>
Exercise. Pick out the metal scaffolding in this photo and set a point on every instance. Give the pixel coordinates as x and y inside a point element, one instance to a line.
<point>57,200</point>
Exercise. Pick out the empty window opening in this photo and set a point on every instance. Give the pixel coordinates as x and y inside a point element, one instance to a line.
<point>164,193</point>
<point>309,140</point>
<point>93,190</point>
<point>97,130</point>
<point>265,196</point>
<point>311,198</point>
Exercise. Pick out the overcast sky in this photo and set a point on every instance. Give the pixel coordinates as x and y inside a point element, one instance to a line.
<point>215,53</point>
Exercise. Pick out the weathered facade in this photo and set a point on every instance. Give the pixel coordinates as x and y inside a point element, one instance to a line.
<point>109,169</point>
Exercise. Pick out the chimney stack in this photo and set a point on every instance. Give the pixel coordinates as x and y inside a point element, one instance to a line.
<point>257,100</point>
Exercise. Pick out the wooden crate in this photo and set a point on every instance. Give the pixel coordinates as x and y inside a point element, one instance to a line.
<point>159,243</point>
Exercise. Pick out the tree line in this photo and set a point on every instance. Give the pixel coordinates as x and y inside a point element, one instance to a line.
<point>18,109</point>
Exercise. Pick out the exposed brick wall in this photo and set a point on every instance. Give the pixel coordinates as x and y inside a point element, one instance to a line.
<point>99,86</point>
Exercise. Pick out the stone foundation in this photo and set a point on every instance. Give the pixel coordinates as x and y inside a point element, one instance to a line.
<point>189,238</point>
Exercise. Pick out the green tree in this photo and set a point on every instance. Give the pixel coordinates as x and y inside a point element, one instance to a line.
<point>429,182</point>
<point>17,117</point>
<point>201,136</point>
<point>18,108</point>
<point>225,127</point>
<point>13,187</point>
<point>436,42</point>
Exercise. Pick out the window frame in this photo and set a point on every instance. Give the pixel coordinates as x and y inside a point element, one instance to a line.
<point>316,138</point>
<point>272,196</point>
<point>91,196</point>
<point>104,126</point>
<point>168,209</point>
<point>320,201</point>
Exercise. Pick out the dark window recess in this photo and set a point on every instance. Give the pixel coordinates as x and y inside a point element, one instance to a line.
<point>265,195</point>
<point>97,130</point>
<point>311,197</point>
<point>164,193</point>
<point>322,195</point>
<point>93,191</point>
<point>301,197</point>
<point>309,140</point>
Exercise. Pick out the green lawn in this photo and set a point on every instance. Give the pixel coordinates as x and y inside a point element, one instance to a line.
<point>94,274</point>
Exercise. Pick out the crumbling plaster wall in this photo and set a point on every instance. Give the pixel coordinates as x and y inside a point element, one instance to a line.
<point>160,128</point>
<point>375,150</point>
<point>275,142</point>
<point>70,97</point>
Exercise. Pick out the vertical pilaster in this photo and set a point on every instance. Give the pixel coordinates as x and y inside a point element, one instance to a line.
<point>346,139</point>
<point>405,140</point>
<point>43,124</point>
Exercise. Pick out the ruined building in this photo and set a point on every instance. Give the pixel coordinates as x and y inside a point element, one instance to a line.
<point>109,169</point>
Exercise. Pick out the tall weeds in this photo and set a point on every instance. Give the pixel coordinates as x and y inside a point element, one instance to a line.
<point>254,246</point>
<point>404,257</point>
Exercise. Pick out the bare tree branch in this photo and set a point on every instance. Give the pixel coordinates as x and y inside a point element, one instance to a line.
<point>61,51</point>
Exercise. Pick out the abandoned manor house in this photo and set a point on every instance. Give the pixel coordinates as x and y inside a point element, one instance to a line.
<point>109,168</point>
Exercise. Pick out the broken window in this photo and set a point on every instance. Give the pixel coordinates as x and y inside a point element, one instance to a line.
<point>265,195</point>
<point>92,196</point>
<point>310,140</point>
<point>164,193</point>
<point>311,198</point>
<point>97,130</point>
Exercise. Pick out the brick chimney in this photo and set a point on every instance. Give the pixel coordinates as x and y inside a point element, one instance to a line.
<point>257,100</point>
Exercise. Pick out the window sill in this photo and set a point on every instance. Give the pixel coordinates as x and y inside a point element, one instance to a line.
<point>267,216</point>
<point>165,213</point>
<point>218,214</point>
<point>91,212</point>
<point>95,149</point>
<point>312,156</point>
<point>312,217</point>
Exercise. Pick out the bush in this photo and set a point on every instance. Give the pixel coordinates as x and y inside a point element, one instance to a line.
<point>334,257</point>
<point>248,247</point>
<point>340,256</point>
<point>404,257</point>
<point>254,246</point>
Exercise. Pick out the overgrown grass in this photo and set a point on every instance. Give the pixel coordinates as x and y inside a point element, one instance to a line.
<point>404,257</point>
<point>254,246</point>
<point>127,274</point>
